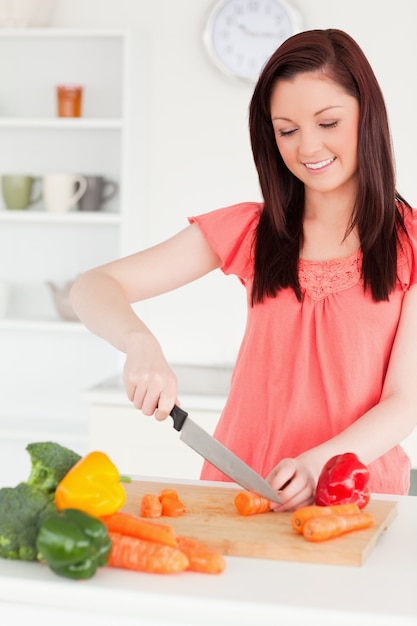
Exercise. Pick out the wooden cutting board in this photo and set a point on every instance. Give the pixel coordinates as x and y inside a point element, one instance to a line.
<point>211,517</point>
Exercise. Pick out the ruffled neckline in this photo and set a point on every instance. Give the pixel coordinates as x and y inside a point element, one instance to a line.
<point>321,278</point>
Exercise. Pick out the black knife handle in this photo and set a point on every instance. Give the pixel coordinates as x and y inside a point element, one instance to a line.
<point>179,416</point>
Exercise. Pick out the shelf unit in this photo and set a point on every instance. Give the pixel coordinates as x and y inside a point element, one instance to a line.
<point>72,217</point>
<point>46,362</point>
<point>61,124</point>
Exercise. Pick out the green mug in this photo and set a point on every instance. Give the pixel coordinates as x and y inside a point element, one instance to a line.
<point>18,191</point>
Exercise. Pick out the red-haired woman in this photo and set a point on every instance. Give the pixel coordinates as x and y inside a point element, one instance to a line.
<point>328,361</point>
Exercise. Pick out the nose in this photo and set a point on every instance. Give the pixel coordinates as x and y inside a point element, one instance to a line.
<point>309,143</point>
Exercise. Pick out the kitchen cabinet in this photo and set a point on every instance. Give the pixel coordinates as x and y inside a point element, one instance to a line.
<point>138,443</point>
<point>46,361</point>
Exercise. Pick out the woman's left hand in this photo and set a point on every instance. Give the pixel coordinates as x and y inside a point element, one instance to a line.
<point>295,483</point>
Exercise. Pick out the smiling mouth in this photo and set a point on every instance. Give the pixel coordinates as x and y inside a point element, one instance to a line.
<point>320,164</point>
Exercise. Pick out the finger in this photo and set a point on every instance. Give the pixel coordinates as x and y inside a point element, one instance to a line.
<point>163,410</point>
<point>167,399</point>
<point>149,403</point>
<point>134,390</point>
<point>300,494</point>
<point>298,504</point>
<point>130,390</point>
<point>282,475</point>
<point>137,396</point>
<point>165,406</point>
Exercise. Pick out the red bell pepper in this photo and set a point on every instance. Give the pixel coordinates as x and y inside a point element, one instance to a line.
<point>343,479</point>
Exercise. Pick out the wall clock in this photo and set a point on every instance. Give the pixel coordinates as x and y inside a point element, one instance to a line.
<point>241,35</point>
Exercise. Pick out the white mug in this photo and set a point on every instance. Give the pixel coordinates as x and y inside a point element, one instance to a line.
<point>61,192</point>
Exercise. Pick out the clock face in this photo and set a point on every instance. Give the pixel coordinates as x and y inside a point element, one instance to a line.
<point>241,35</point>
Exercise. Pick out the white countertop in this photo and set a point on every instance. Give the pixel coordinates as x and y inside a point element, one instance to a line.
<point>250,591</point>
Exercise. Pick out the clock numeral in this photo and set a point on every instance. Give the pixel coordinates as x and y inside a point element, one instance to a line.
<point>253,5</point>
<point>239,59</point>
<point>238,9</point>
<point>281,19</point>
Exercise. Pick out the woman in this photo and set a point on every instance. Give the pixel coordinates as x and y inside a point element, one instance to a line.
<point>328,362</point>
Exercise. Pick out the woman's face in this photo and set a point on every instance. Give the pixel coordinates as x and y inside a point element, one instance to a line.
<point>316,129</point>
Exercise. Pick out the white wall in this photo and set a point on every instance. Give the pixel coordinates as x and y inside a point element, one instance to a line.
<point>199,155</point>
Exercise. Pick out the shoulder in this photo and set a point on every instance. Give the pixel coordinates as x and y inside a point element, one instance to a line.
<point>409,215</point>
<point>410,222</point>
<point>242,213</point>
<point>231,232</point>
<point>407,259</point>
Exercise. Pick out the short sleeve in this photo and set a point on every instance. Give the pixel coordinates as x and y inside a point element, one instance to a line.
<point>230,231</point>
<point>407,261</point>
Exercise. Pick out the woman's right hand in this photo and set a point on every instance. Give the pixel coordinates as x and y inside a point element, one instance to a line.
<point>102,299</point>
<point>150,383</point>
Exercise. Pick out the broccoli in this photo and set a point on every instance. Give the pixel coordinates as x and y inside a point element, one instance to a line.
<point>50,462</point>
<point>22,509</point>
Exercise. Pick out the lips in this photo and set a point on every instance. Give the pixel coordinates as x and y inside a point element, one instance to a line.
<point>320,164</point>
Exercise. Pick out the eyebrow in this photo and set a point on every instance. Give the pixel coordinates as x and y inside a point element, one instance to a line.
<point>333,106</point>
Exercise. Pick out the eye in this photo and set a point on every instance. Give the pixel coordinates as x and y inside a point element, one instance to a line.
<point>286,133</point>
<point>329,125</point>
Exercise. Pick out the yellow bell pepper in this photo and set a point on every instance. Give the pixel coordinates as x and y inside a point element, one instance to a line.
<point>92,485</point>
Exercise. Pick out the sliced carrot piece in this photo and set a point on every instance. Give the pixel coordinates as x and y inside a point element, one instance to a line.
<point>250,503</point>
<point>150,506</point>
<point>134,526</point>
<point>172,506</point>
<point>169,491</point>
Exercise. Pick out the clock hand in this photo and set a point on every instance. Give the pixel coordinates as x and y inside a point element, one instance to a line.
<point>252,33</point>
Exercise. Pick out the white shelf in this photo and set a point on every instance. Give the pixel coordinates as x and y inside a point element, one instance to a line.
<point>52,32</point>
<point>41,325</point>
<point>49,217</point>
<point>61,123</point>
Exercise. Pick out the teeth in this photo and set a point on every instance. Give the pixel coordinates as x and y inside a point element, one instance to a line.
<point>317,166</point>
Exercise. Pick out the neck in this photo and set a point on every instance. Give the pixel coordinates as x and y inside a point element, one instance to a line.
<point>332,209</point>
<point>327,219</point>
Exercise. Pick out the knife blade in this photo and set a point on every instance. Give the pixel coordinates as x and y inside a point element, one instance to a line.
<point>218,455</point>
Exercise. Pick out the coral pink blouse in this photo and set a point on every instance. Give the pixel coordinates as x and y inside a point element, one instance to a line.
<point>306,370</point>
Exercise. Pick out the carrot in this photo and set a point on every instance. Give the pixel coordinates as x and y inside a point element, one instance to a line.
<point>169,491</point>
<point>133,526</point>
<point>150,506</point>
<point>145,556</point>
<point>301,515</point>
<point>171,503</point>
<point>201,558</point>
<point>172,506</point>
<point>329,526</point>
<point>250,503</point>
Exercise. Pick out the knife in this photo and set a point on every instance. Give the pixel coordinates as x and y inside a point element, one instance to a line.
<point>218,455</point>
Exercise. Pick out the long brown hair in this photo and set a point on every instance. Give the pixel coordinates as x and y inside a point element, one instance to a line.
<point>377,213</point>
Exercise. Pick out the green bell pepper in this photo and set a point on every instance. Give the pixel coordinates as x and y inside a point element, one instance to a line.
<point>73,543</point>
